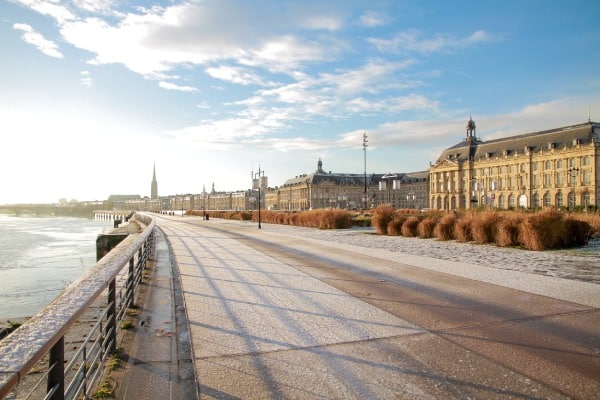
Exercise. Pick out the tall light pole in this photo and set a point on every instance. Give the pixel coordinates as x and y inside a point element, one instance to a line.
<point>364,145</point>
<point>256,184</point>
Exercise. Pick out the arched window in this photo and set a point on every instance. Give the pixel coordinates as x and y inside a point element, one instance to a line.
<point>511,201</point>
<point>535,201</point>
<point>571,199</point>
<point>501,201</point>
<point>547,200</point>
<point>559,199</point>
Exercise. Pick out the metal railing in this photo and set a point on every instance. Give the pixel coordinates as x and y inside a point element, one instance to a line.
<point>46,350</point>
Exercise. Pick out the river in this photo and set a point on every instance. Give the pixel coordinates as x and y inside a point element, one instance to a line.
<point>40,256</point>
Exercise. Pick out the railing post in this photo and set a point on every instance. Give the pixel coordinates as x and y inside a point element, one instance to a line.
<point>111,318</point>
<point>131,284</point>
<point>56,375</point>
<point>140,263</point>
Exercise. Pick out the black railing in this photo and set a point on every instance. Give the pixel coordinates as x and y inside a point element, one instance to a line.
<point>48,347</point>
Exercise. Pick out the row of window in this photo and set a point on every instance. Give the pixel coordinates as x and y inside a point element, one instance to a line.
<point>512,201</point>
<point>553,179</point>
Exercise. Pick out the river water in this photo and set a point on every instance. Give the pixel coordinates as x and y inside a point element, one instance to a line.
<point>40,256</point>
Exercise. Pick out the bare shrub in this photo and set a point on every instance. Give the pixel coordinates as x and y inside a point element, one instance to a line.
<point>444,230</point>
<point>409,228</point>
<point>462,229</point>
<point>484,227</point>
<point>334,219</point>
<point>382,216</point>
<point>426,227</point>
<point>543,231</point>
<point>394,228</point>
<point>508,229</point>
<point>592,219</point>
<point>577,232</point>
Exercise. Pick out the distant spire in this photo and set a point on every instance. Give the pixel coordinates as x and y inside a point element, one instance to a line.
<point>154,184</point>
<point>589,113</point>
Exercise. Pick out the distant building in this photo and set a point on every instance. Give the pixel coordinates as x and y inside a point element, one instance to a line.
<point>321,189</point>
<point>154,185</point>
<point>558,167</point>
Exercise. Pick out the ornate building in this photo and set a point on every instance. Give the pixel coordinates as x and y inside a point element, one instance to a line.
<point>558,167</point>
<point>321,189</point>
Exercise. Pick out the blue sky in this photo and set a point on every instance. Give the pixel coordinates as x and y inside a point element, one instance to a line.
<point>94,92</point>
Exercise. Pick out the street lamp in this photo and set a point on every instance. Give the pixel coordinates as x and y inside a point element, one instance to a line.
<point>258,180</point>
<point>365,145</point>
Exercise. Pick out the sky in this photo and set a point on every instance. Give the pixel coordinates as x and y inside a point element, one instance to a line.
<point>95,93</point>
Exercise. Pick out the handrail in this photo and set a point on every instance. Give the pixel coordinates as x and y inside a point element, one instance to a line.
<point>44,333</point>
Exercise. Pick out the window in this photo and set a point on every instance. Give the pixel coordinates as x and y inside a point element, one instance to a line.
<point>559,164</point>
<point>547,200</point>
<point>501,201</point>
<point>511,201</point>
<point>586,160</point>
<point>571,199</point>
<point>547,180</point>
<point>535,166</point>
<point>548,165</point>
<point>572,162</point>
<point>535,201</point>
<point>536,181</point>
<point>585,199</point>
<point>559,199</point>
<point>560,179</point>
<point>587,177</point>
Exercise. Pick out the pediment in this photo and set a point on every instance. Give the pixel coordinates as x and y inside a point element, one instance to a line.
<point>445,163</point>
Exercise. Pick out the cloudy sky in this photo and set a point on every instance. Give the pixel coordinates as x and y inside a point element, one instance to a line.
<point>93,93</point>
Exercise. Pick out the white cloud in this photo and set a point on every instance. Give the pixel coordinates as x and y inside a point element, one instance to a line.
<point>411,41</point>
<point>373,19</point>
<point>172,86</point>
<point>34,38</point>
<point>50,8</point>
<point>95,6</point>
<point>236,75</point>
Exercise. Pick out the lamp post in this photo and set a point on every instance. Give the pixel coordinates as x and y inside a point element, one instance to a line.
<point>257,182</point>
<point>573,172</point>
<point>365,145</point>
<point>203,201</point>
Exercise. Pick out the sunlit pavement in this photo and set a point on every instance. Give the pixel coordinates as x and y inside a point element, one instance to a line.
<point>307,319</point>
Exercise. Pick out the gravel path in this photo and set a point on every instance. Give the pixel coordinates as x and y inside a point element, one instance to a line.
<point>581,264</point>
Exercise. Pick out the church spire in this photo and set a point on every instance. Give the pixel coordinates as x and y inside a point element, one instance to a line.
<point>154,185</point>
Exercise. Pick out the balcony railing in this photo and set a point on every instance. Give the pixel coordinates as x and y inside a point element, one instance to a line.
<point>43,358</point>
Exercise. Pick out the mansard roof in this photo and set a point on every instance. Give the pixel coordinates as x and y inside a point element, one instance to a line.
<point>320,176</point>
<point>558,138</point>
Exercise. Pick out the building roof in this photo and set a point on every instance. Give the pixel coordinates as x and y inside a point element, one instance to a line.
<point>320,176</point>
<point>558,138</point>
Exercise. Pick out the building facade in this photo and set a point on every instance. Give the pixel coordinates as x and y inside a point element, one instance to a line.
<point>321,189</point>
<point>557,167</point>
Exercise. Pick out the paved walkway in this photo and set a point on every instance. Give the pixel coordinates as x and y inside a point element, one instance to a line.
<point>260,329</point>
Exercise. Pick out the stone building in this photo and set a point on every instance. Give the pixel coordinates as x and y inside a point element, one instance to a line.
<point>321,189</point>
<point>558,167</point>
